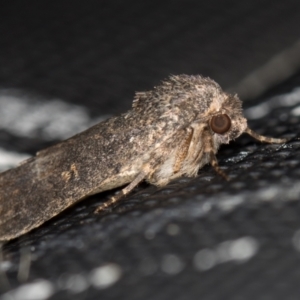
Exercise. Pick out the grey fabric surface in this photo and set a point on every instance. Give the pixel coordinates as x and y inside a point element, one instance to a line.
<point>200,238</point>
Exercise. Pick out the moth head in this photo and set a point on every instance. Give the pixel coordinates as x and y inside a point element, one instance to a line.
<point>228,123</point>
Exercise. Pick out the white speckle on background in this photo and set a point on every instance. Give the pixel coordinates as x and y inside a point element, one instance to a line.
<point>172,264</point>
<point>106,275</point>
<point>38,290</point>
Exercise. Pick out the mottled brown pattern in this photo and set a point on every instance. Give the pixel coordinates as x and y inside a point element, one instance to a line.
<point>149,142</point>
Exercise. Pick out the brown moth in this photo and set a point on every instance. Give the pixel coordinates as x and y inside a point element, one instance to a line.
<point>171,131</point>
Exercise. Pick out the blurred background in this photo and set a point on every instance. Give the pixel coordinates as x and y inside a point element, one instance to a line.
<point>66,65</point>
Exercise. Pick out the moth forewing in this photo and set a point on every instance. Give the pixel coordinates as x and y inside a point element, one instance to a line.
<point>61,175</point>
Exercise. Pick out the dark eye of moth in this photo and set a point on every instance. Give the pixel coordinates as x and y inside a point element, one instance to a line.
<point>220,123</point>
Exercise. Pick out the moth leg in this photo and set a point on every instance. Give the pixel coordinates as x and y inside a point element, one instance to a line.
<point>141,176</point>
<point>183,151</point>
<point>208,150</point>
<point>215,165</point>
<point>199,154</point>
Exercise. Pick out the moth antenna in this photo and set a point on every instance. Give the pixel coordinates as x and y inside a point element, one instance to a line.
<point>265,139</point>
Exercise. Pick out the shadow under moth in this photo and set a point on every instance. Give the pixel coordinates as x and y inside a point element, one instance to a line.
<point>171,131</point>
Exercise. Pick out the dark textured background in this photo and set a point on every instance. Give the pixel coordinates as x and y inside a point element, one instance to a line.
<point>96,54</point>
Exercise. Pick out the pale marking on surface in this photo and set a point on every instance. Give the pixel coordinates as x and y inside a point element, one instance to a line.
<point>5,265</point>
<point>239,250</point>
<point>9,159</point>
<point>264,108</point>
<point>231,202</point>
<point>74,283</point>
<point>296,240</point>
<point>39,290</point>
<point>296,111</point>
<point>25,115</point>
<point>173,229</point>
<point>106,275</point>
<point>172,264</point>
<point>268,193</point>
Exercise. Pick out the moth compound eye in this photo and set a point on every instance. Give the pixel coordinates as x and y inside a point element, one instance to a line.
<point>220,123</point>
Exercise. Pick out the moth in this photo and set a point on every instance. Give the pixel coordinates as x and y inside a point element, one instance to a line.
<point>171,131</point>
